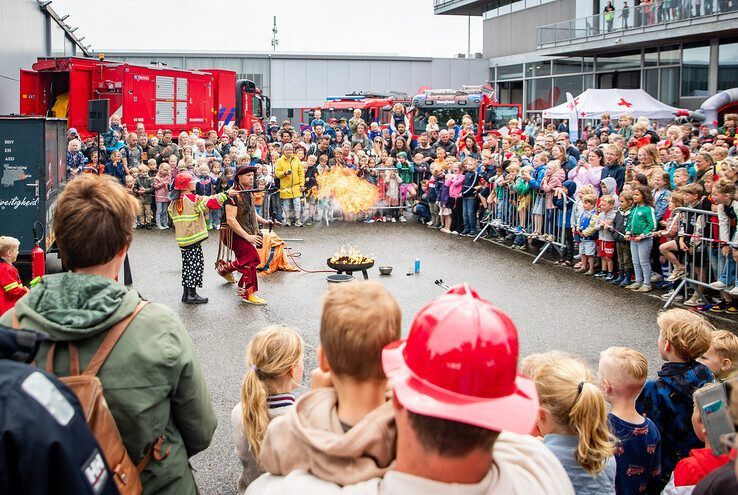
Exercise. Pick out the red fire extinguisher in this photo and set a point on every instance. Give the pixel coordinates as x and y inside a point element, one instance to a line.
<point>38,257</point>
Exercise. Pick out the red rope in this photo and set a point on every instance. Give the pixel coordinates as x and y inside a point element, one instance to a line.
<point>297,255</point>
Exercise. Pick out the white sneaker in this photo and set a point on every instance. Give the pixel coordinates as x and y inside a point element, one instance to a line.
<point>734,291</point>
<point>454,232</point>
<point>298,224</point>
<point>655,277</point>
<point>445,231</point>
<point>403,220</point>
<point>717,285</point>
<point>286,223</point>
<point>394,220</point>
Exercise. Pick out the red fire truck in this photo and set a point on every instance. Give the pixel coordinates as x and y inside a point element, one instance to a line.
<point>476,101</point>
<point>156,95</point>
<point>375,107</point>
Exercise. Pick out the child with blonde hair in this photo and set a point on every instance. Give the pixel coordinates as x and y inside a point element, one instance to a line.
<point>667,401</point>
<point>11,288</point>
<point>722,355</point>
<point>75,159</point>
<point>162,182</point>
<point>274,361</point>
<point>622,373</point>
<point>573,421</point>
<point>144,189</point>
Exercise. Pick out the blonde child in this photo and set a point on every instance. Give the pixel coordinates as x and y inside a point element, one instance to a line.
<point>75,159</point>
<point>153,167</point>
<point>553,179</point>
<point>586,228</point>
<point>606,240</point>
<point>162,182</point>
<point>722,355</point>
<point>392,192</point>
<point>573,421</point>
<point>144,189</point>
<point>343,430</point>
<point>622,373</point>
<point>258,197</point>
<point>274,367</point>
<point>667,401</point>
<point>11,288</point>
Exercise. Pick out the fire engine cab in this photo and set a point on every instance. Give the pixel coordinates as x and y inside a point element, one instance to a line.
<point>476,101</point>
<point>155,95</point>
<point>375,107</point>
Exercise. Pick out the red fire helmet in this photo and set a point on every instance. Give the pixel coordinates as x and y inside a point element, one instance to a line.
<point>183,180</point>
<point>459,363</point>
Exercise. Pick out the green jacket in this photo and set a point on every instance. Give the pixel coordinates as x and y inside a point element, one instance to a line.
<point>641,221</point>
<point>152,379</point>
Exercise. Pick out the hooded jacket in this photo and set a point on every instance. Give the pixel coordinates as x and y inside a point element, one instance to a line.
<point>152,381</point>
<point>311,437</point>
<point>667,401</point>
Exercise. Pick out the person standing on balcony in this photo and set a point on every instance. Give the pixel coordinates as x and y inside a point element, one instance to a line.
<point>625,15</point>
<point>609,16</point>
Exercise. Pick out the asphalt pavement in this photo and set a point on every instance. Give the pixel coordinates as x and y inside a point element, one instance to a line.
<point>553,307</point>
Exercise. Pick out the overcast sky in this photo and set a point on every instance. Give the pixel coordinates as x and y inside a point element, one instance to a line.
<point>403,27</point>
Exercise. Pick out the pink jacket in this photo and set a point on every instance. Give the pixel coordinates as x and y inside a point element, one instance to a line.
<point>551,181</point>
<point>161,188</point>
<point>455,183</point>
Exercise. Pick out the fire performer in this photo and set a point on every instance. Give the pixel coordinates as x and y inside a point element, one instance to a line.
<point>187,210</point>
<point>242,236</point>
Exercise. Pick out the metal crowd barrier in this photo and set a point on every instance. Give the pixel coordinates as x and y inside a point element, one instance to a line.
<point>525,217</point>
<point>704,263</point>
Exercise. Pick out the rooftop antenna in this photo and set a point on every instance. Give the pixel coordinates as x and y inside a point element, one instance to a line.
<point>275,41</point>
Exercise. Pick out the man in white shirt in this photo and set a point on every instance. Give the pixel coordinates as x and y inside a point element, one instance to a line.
<point>462,413</point>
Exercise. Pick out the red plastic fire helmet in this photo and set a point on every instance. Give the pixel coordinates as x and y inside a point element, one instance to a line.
<point>459,363</point>
<point>183,180</point>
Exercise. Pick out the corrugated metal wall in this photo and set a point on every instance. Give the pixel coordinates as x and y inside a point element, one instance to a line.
<point>26,33</point>
<point>23,38</point>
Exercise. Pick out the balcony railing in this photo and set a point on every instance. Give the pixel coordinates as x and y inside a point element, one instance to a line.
<point>635,18</point>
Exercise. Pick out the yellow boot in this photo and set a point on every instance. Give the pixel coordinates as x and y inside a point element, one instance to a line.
<point>254,299</point>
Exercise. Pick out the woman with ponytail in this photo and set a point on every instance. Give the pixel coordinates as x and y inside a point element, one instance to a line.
<point>274,361</point>
<point>573,420</point>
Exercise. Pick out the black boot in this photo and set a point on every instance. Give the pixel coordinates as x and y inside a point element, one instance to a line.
<point>185,294</point>
<point>194,298</point>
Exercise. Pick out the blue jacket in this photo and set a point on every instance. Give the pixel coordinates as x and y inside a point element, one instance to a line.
<point>471,179</point>
<point>537,177</point>
<point>661,203</point>
<point>116,171</point>
<point>667,401</point>
<point>564,218</point>
<point>46,446</point>
<point>672,167</point>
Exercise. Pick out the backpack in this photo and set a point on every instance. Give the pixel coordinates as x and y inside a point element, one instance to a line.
<point>89,390</point>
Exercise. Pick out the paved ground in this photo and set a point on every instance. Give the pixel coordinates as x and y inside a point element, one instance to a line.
<point>552,307</point>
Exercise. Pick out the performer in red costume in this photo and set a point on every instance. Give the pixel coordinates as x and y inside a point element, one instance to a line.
<point>242,235</point>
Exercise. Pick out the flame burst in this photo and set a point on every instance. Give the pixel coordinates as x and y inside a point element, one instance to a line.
<point>352,193</point>
<point>350,254</point>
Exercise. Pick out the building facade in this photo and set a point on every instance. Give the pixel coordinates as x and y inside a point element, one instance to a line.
<point>30,29</point>
<point>299,81</point>
<point>679,51</point>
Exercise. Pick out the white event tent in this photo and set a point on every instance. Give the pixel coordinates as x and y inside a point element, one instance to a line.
<point>594,102</point>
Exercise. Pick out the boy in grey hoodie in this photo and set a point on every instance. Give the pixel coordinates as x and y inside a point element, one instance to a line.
<point>344,431</point>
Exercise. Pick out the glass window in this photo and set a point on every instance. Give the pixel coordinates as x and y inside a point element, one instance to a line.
<point>511,92</point>
<point>728,66</point>
<point>538,94</point>
<point>651,57</point>
<point>651,82</point>
<point>538,69</point>
<point>572,84</point>
<point>695,69</point>
<point>588,81</point>
<point>510,71</point>
<point>567,65</point>
<point>669,86</point>
<point>588,64</point>
<point>618,61</point>
<point>669,55</point>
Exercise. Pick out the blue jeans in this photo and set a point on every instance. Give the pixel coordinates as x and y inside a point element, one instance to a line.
<point>640,251</point>
<point>470,214</point>
<point>291,207</point>
<point>161,214</point>
<point>723,267</point>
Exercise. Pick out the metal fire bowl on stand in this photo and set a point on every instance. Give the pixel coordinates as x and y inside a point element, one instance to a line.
<point>350,268</point>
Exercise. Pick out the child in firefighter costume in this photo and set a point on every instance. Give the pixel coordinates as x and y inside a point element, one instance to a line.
<point>188,211</point>
<point>241,234</point>
<point>11,288</point>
